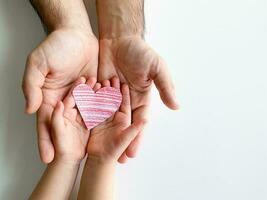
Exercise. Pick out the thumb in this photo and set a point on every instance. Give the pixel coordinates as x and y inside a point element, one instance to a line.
<point>130,133</point>
<point>58,116</point>
<point>33,81</point>
<point>164,84</point>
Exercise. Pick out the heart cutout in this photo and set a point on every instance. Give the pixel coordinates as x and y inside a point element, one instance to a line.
<point>96,107</point>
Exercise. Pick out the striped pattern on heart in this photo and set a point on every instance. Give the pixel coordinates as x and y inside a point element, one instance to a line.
<point>96,107</point>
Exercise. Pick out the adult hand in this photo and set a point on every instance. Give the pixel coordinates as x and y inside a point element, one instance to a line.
<point>136,64</point>
<point>51,68</point>
<point>124,53</point>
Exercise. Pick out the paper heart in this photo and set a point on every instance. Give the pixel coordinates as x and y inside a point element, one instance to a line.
<point>96,107</point>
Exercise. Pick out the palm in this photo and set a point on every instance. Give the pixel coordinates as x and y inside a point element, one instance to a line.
<point>68,55</point>
<point>73,121</point>
<point>69,134</point>
<point>131,60</point>
<point>136,64</point>
<point>60,59</point>
<point>74,134</point>
<point>71,140</point>
<point>105,137</point>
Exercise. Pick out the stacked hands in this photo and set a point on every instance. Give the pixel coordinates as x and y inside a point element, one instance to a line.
<point>72,141</point>
<point>67,54</point>
<point>70,55</point>
<point>104,143</point>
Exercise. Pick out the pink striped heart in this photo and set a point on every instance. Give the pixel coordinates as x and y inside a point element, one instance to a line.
<point>96,107</point>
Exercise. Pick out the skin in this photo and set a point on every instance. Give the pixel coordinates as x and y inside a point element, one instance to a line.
<point>106,144</point>
<point>124,53</point>
<point>68,52</point>
<point>71,51</point>
<point>70,139</point>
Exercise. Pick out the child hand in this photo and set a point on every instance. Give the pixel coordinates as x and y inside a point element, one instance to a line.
<point>110,139</point>
<point>69,134</point>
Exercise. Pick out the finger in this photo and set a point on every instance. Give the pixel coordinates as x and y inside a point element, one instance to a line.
<point>57,116</point>
<point>97,86</point>
<point>130,133</point>
<point>123,159</point>
<point>125,104</point>
<point>33,81</point>
<point>164,84</point>
<point>115,82</point>
<point>133,148</point>
<point>105,83</point>
<point>45,145</point>
<point>140,113</point>
<point>46,148</point>
<point>69,100</point>
<point>91,81</point>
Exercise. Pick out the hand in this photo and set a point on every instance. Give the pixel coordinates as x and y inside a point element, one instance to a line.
<point>51,68</point>
<point>69,134</point>
<point>139,66</point>
<point>110,139</point>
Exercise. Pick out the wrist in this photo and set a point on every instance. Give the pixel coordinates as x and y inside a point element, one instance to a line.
<point>98,162</point>
<point>100,168</point>
<point>59,14</point>
<point>63,166</point>
<point>120,18</point>
<point>66,161</point>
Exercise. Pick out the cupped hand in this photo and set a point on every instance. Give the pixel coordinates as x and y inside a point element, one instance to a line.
<point>51,69</point>
<point>110,139</point>
<point>138,65</point>
<point>69,133</point>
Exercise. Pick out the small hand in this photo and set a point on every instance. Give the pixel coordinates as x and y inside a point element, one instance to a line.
<point>51,69</point>
<point>69,134</point>
<point>110,139</point>
<point>136,64</point>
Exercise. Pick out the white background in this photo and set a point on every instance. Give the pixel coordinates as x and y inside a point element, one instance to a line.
<point>213,148</point>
